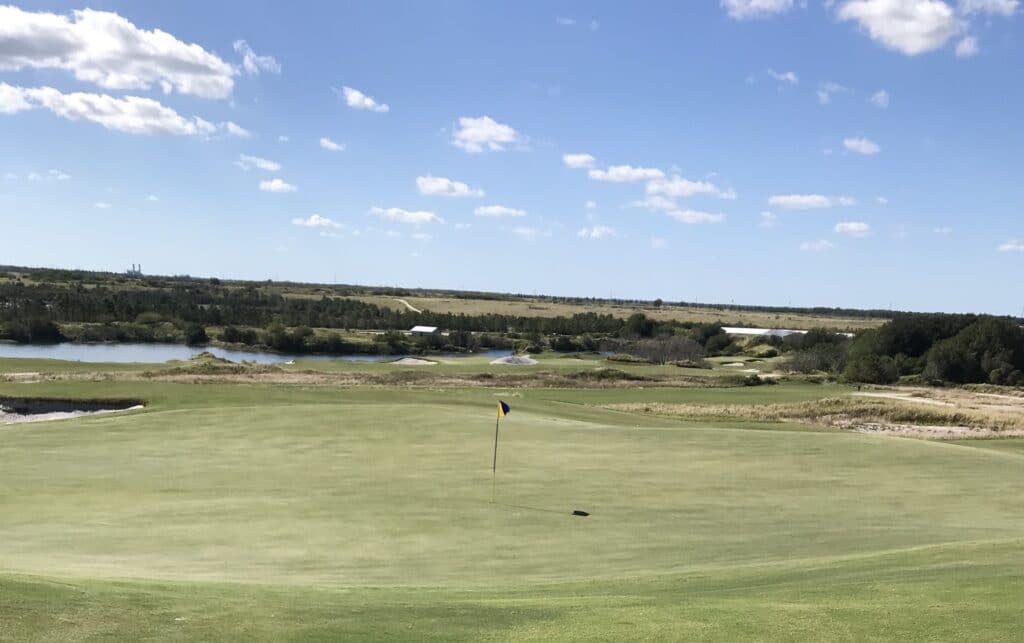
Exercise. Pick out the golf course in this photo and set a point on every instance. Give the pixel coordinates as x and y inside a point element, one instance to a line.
<point>332,501</point>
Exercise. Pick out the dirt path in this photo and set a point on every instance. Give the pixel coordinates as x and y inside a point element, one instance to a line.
<point>408,305</point>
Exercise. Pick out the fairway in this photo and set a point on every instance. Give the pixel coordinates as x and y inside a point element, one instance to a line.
<point>380,498</point>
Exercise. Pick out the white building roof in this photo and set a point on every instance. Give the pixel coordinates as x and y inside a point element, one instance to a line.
<point>423,329</point>
<point>773,332</point>
<point>769,332</point>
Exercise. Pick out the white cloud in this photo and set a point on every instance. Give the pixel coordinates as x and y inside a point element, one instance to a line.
<point>695,216</point>
<point>944,230</point>
<point>236,130</point>
<point>1013,245</point>
<point>768,219</point>
<point>399,215</point>
<point>52,175</point>
<point>277,185</point>
<point>911,27</point>
<point>498,211</point>
<point>565,22</point>
<point>677,186</point>
<point>578,161</point>
<point>861,146</point>
<point>131,114</point>
<point>853,228</point>
<point>882,200</point>
<point>789,77</point>
<point>283,139</point>
<point>440,186</point>
<point>463,226</point>
<point>328,144</point>
<point>596,232</point>
<point>422,236</point>
<point>880,99</point>
<point>12,99</point>
<point>808,201</point>
<point>820,245</point>
<point>358,100</point>
<point>657,243</point>
<point>530,234</point>
<point>626,174</point>
<point>103,48</point>
<point>245,162</point>
<point>827,90</point>
<point>994,7</point>
<point>103,205</point>
<point>752,9</point>
<point>252,63</point>
<point>656,202</point>
<point>594,25</point>
<point>477,134</point>
<point>590,205</point>
<point>967,47</point>
<point>317,221</point>
<point>152,198</point>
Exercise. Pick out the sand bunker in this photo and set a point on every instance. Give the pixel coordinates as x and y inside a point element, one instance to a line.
<point>515,360</point>
<point>16,410</point>
<point>414,361</point>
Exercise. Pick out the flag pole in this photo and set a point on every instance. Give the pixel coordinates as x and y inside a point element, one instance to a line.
<point>494,462</point>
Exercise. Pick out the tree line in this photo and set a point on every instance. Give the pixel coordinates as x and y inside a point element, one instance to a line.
<point>924,348</point>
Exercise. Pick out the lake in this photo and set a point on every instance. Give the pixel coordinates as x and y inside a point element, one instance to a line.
<point>160,353</point>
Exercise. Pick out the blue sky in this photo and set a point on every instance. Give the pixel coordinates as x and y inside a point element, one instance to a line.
<point>861,153</point>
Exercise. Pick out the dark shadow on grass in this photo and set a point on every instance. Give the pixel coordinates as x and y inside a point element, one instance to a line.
<point>551,511</point>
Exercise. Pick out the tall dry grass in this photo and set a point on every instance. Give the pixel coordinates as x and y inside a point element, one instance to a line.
<point>846,413</point>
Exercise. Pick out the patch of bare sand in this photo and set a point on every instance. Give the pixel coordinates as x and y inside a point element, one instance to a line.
<point>24,378</point>
<point>903,397</point>
<point>515,360</point>
<point>922,431</point>
<point>413,361</point>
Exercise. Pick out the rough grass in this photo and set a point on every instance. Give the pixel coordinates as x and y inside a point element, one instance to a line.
<point>530,307</point>
<point>850,413</point>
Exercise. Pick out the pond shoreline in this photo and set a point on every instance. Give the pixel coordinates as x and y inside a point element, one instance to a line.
<point>159,353</point>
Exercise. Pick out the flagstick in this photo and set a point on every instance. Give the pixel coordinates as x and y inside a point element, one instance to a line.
<point>494,463</point>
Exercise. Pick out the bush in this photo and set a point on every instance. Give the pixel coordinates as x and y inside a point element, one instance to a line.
<point>148,318</point>
<point>659,351</point>
<point>830,358</point>
<point>195,335</point>
<point>36,331</point>
<point>563,344</point>
<point>871,369</point>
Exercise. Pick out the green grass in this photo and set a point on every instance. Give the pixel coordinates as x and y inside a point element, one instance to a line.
<point>272,512</point>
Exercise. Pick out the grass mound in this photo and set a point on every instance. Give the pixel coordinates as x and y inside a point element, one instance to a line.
<point>207,363</point>
<point>607,375</point>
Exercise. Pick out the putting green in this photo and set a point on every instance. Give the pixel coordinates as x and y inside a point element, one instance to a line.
<point>319,489</point>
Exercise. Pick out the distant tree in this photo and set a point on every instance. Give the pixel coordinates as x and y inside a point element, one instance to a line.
<point>563,344</point>
<point>990,351</point>
<point>871,369</point>
<point>195,334</point>
<point>638,325</point>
